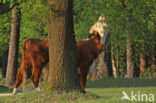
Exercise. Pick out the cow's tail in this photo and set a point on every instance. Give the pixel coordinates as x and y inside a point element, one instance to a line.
<point>24,66</point>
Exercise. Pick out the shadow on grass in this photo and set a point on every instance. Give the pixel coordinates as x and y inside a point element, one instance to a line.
<point>108,83</point>
<point>121,82</point>
<point>4,89</point>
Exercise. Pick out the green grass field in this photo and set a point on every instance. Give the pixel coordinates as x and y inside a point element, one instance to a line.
<point>107,90</point>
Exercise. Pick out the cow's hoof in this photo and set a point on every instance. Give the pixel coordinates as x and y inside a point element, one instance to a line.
<point>83,91</point>
<point>38,89</point>
<point>14,91</point>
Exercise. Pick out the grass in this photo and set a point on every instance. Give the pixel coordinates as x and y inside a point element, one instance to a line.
<point>108,90</point>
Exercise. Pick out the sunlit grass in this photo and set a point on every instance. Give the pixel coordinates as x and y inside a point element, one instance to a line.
<point>107,90</point>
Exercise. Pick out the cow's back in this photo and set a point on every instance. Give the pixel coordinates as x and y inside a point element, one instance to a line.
<point>37,48</point>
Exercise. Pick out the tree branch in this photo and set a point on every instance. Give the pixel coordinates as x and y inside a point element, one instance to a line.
<point>4,8</point>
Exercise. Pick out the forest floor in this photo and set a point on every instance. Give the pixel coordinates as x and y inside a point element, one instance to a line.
<point>108,90</point>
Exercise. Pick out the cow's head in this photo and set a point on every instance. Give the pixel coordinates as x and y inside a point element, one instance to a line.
<point>96,39</point>
<point>101,27</point>
<point>94,36</point>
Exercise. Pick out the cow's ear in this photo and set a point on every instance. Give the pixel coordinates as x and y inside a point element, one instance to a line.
<point>95,33</point>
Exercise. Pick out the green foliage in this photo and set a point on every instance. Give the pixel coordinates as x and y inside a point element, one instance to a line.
<point>33,22</point>
<point>86,13</point>
<point>5,24</point>
<point>34,19</point>
<point>131,19</point>
<point>126,19</point>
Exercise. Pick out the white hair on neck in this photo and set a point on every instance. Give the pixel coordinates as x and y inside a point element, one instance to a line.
<point>99,27</point>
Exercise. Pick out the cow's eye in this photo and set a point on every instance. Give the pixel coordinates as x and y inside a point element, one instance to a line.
<point>92,37</point>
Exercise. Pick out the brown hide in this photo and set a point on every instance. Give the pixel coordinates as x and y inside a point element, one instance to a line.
<point>35,55</point>
<point>88,50</point>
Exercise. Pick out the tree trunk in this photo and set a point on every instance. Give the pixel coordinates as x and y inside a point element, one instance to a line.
<point>63,73</point>
<point>4,62</point>
<point>108,61</point>
<point>117,59</point>
<point>102,68</point>
<point>153,65</point>
<point>115,70</point>
<point>114,66</point>
<point>142,65</point>
<point>45,73</point>
<point>13,47</point>
<point>130,64</point>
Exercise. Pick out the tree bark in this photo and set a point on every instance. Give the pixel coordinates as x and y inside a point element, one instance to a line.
<point>115,70</point>
<point>114,65</point>
<point>13,47</point>
<point>4,62</point>
<point>117,59</point>
<point>142,65</point>
<point>130,64</point>
<point>63,73</point>
<point>45,73</point>
<point>153,65</point>
<point>108,60</point>
<point>102,68</point>
<point>109,63</point>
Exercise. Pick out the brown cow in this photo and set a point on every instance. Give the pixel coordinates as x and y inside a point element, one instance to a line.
<point>35,55</point>
<point>88,50</point>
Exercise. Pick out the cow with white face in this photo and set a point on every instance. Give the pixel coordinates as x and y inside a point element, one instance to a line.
<point>99,26</point>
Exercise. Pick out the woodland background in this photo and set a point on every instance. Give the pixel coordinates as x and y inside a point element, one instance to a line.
<point>132,32</point>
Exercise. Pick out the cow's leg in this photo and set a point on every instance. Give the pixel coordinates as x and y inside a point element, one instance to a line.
<point>18,82</point>
<point>83,75</point>
<point>35,77</point>
<point>19,79</point>
<point>25,66</point>
<point>37,67</point>
<point>81,81</point>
